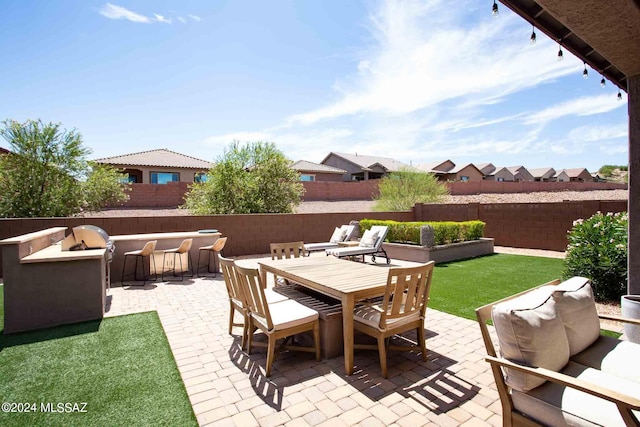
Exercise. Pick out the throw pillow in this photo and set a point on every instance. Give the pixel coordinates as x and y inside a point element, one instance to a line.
<point>369,239</point>
<point>337,236</point>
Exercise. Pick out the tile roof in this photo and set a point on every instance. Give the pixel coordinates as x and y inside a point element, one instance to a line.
<point>436,166</point>
<point>366,162</point>
<point>540,172</point>
<point>160,158</point>
<point>306,166</point>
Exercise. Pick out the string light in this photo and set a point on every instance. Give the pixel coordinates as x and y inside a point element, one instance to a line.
<point>585,73</point>
<point>619,95</point>
<point>560,54</point>
<point>603,82</point>
<point>532,39</point>
<point>494,9</point>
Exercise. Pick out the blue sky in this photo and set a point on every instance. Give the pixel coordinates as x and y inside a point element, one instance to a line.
<point>418,81</point>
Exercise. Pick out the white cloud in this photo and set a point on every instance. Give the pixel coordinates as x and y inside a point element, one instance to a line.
<point>195,18</point>
<point>583,106</point>
<point>181,19</point>
<point>426,54</point>
<point>162,19</point>
<point>599,133</point>
<point>112,11</point>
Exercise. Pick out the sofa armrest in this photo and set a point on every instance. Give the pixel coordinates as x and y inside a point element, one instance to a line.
<point>619,319</point>
<point>624,402</point>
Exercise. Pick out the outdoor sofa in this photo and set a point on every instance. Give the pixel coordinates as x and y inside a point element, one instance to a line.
<point>554,367</point>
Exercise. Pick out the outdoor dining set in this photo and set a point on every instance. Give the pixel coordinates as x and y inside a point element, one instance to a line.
<point>376,300</point>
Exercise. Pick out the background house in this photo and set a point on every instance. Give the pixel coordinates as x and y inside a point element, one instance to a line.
<point>500,174</point>
<point>486,168</point>
<point>520,173</point>
<point>574,175</point>
<point>310,171</point>
<point>543,174</point>
<point>467,173</point>
<point>159,166</point>
<point>439,169</point>
<point>362,168</point>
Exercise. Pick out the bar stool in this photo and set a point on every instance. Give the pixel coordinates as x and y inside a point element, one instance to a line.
<point>146,251</point>
<point>185,246</point>
<point>214,249</point>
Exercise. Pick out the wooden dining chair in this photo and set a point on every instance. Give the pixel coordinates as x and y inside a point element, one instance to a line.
<point>237,297</point>
<point>276,320</point>
<point>402,309</point>
<point>284,251</point>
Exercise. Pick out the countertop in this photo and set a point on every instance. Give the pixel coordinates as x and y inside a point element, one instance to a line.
<point>54,253</point>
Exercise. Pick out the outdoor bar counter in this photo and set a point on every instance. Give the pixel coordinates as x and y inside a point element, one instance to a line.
<point>45,286</point>
<point>133,242</point>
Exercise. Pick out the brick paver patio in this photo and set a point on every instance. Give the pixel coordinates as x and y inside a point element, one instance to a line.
<point>227,387</point>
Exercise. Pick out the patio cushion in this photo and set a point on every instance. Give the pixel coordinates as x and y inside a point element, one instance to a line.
<point>369,239</point>
<point>287,314</point>
<point>577,309</point>
<point>612,356</point>
<point>527,327</point>
<point>578,408</point>
<point>338,235</point>
<point>369,314</point>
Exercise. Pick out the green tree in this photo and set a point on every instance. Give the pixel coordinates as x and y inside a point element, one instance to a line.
<point>47,173</point>
<point>399,191</point>
<point>251,178</point>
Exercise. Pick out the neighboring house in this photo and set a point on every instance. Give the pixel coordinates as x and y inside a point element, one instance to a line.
<point>574,175</point>
<point>520,173</point>
<point>159,167</point>
<point>543,174</point>
<point>4,151</point>
<point>486,168</point>
<point>439,169</point>
<point>362,168</point>
<point>501,174</point>
<point>466,173</point>
<point>310,171</point>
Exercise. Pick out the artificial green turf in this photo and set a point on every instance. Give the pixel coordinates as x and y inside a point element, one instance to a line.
<point>122,367</point>
<point>460,287</point>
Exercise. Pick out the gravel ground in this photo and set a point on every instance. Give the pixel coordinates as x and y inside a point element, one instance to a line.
<point>366,205</point>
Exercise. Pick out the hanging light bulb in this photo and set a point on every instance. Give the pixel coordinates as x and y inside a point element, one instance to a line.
<point>494,9</point>
<point>585,73</point>
<point>560,54</point>
<point>532,39</point>
<point>619,95</point>
<point>603,82</point>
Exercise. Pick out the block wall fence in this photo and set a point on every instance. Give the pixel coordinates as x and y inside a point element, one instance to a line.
<point>533,226</point>
<point>172,194</point>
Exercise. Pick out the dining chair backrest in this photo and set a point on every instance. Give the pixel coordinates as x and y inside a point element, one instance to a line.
<point>219,244</point>
<point>287,250</point>
<point>185,246</point>
<point>148,248</point>
<point>407,292</point>
<point>251,285</point>
<point>229,274</point>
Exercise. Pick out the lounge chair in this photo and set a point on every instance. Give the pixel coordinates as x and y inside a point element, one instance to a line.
<point>370,244</point>
<point>342,234</point>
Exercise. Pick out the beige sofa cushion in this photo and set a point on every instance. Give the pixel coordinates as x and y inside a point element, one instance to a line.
<point>528,328</point>
<point>555,405</point>
<point>577,309</point>
<point>612,356</point>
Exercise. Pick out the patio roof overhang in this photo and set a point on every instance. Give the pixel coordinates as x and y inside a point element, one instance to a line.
<point>604,34</point>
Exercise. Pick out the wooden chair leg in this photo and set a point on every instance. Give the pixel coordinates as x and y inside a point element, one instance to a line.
<point>316,338</point>
<point>245,330</point>
<point>423,345</point>
<point>249,335</point>
<point>382,349</point>
<point>232,311</point>
<point>271,353</point>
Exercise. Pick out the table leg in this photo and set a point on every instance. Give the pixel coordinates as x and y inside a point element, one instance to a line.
<point>347,332</point>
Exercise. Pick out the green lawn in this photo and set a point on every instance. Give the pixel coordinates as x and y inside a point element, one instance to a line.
<point>460,287</point>
<point>121,367</point>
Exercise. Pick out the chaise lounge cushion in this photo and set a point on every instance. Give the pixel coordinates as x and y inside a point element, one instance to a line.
<point>553,404</point>
<point>527,327</point>
<point>577,309</point>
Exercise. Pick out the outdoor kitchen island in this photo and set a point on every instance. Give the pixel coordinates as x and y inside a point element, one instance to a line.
<point>45,286</point>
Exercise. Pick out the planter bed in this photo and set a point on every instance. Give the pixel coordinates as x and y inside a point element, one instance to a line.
<point>440,253</point>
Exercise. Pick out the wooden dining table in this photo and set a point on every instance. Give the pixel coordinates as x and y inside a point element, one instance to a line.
<point>345,280</point>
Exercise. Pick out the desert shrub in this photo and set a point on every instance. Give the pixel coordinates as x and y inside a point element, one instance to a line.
<point>444,232</point>
<point>402,189</point>
<point>598,250</point>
